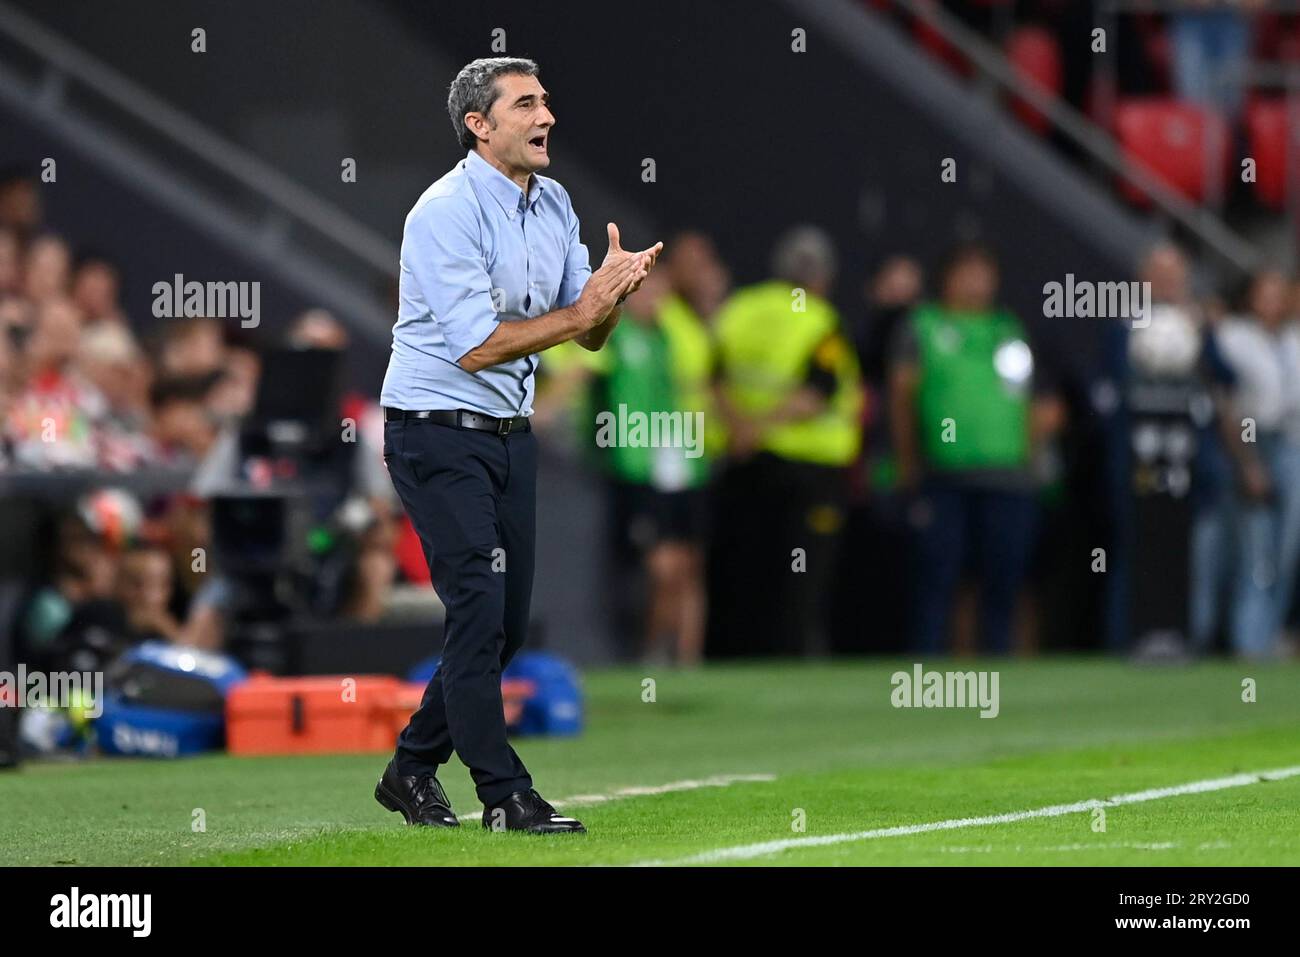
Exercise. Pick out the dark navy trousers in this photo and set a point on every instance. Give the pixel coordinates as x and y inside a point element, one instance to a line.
<point>995,526</point>
<point>472,498</point>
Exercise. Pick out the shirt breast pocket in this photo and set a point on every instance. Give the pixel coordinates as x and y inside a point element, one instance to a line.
<point>507,300</point>
<point>551,254</point>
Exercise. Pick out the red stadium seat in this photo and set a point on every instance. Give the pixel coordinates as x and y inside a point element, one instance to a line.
<point>1036,57</point>
<point>1170,140</point>
<point>1266,129</point>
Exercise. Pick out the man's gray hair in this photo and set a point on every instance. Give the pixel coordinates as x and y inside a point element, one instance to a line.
<point>804,255</point>
<point>475,90</point>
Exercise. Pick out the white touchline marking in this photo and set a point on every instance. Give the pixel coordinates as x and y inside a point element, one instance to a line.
<point>1131,845</point>
<point>1060,848</point>
<point>582,800</point>
<point>746,851</point>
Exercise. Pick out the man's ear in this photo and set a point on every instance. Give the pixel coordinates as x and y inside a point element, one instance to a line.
<point>478,124</point>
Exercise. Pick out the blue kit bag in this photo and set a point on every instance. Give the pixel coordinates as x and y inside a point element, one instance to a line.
<point>555,707</point>
<point>163,700</point>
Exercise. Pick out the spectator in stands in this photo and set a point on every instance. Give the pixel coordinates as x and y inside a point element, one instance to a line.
<point>201,597</point>
<point>20,203</point>
<point>48,273</point>
<point>72,617</point>
<point>144,589</point>
<point>15,326</point>
<point>11,263</point>
<point>235,391</point>
<point>183,428</point>
<point>1211,44</point>
<point>17,318</point>
<point>790,394</point>
<point>191,348</point>
<point>53,418</point>
<point>110,360</point>
<point>96,289</point>
<point>1262,346</point>
<point>968,412</point>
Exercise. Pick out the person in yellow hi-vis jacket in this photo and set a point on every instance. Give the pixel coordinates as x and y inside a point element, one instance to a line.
<point>788,386</point>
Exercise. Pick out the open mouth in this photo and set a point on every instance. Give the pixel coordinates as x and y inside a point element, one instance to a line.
<point>538,142</point>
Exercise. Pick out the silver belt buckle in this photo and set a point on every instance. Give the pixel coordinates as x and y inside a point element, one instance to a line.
<point>503,426</point>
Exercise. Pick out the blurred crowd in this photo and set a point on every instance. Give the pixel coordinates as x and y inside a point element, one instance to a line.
<point>85,391</point>
<point>779,474</point>
<point>950,424</point>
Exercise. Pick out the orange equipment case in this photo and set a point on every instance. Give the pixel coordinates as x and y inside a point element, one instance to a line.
<point>330,714</point>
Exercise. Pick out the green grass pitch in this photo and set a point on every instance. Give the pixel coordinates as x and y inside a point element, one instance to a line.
<point>840,757</point>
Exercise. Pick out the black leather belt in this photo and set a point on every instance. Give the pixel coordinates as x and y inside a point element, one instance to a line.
<point>463,419</point>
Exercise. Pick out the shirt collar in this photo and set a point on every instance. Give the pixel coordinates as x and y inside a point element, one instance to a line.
<point>502,188</point>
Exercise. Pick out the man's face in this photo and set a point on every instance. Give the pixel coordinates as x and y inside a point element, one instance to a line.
<point>1268,298</point>
<point>54,340</point>
<point>95,289</point>
<point>518,125</point>
<point>972,285</point>
<point>696,272</point>
<point>183,424</point>
<point>1166,269</point>
<point>20,205</point>
<point>48,269</point>
<point>146,581</point>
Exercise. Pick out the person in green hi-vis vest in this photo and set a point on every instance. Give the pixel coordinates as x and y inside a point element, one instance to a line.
<point>968,409</point>
<point>791,395</point>
<point>655,439</point>
<point>657,498</point>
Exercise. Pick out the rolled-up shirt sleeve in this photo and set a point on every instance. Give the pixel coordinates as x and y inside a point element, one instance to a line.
<point>444,252</point>
<point>577,264</point>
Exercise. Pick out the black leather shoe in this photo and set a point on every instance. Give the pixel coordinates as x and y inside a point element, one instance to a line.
<point>418,798</point>
<point>526,811</point>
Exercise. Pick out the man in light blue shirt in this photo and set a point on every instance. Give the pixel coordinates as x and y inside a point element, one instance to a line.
<point>476,253</point>
<point>492,273</point>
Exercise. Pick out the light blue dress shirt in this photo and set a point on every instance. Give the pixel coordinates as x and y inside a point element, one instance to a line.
<point>475,254</point>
